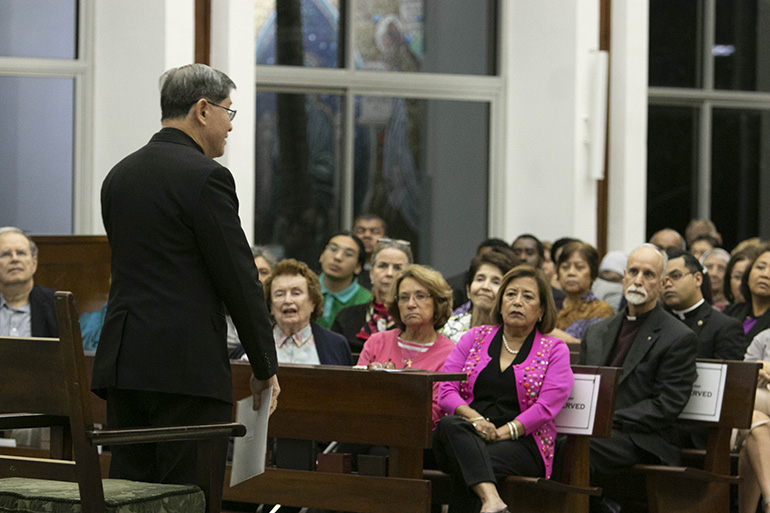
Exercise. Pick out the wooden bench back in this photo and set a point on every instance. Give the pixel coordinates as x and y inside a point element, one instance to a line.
<point>605,403</point>
<point>739,394</point>
<point>78,263</point>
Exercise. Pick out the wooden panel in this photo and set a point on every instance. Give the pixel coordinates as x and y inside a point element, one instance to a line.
<point>28,361</point>
<point>77,263</point>
<point>344,492</point>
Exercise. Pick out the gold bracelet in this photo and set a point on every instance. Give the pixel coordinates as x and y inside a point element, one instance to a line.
<point>477,418</point>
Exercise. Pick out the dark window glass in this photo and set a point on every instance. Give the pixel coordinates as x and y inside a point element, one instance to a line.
<point>671,167</point>
<point>297,197</point>
<point>742,46</point>
<point>38,29</point>
<point>298,33</point>
<point>422,165</point>
<point>36,153</point>
<point>674,43</point>
<point>737,162</point>
<point>438,36</point>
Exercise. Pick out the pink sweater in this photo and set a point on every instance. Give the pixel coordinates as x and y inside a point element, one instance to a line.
<point>543,383</point>
<point>383,346</point>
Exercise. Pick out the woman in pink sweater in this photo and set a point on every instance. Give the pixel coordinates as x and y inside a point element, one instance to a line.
<point>501,418</point>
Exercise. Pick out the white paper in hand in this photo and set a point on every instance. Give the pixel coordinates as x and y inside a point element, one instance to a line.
<point>249,450</point>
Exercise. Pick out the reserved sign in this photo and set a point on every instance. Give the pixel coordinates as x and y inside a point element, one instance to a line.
<point>577,415</point>
<point>707,392</point>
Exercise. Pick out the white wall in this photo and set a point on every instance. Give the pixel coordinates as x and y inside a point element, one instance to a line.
<point>134,43</point>
<point>548,191</point>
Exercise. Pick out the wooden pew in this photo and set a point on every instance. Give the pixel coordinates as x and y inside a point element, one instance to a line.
<point>348,405</point>
<point>571,491</point>
<point>707,489</point>
<point>78,263</point>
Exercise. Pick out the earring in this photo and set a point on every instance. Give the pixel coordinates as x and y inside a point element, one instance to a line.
<point>540,319</point>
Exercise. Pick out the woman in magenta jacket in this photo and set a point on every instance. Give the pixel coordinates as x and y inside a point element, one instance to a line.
<point>500,420</point>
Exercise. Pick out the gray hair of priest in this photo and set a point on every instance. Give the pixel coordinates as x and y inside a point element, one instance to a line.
<point>181,87</point>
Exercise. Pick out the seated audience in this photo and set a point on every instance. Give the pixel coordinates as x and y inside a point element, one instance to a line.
<point>657,354</point>
<point>548,266</point>
<point>734,272</point>
<point>369,228</point>
<point>715,261</point>
<point>578,267</point>
<point>458,282</point>
<point>91,324</point>
<point>294,300</point>
<point>668,238</point>
<point>265,261</point>
<point>755,287</point>
<point>341,261</point>
<point>556,248</point>
<point>608,285</point>
<point>419,302</point>
<point>484,277</point>
<point>702,244</point>
<point>500,420</point>
<point>755,443</point>
<point>357,323</point>
<point>26,309</point>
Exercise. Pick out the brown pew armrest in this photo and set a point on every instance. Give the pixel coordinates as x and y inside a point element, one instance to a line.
<point>30,420</point>
<point>165,434</point>
<point>551,485</point>
<point>689,473</point>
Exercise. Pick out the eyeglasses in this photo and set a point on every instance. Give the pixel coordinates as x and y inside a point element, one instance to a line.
<point>419,297</point>
<point>675,276</point>
<point>230,112</point>
<point>347,252</point>
<point>385,240</point>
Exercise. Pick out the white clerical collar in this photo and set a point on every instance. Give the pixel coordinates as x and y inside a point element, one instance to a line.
<point>681,313</point>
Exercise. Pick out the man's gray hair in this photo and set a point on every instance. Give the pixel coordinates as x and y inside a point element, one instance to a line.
<point>181,87</point>
<point>264,252</point>
<point>657,249</point>
<point>13,229</point>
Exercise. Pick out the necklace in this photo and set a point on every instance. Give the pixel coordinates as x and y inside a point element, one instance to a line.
<point>508,348</point>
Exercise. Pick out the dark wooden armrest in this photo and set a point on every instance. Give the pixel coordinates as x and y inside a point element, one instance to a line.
<point>31,420</point>
<point>690,473</point>
<point>551,485</point>
<point>165,434</point>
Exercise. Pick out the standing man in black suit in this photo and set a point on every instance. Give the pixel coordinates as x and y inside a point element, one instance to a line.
<point>657,354</point>
<point>179,256</point>
<point>719,336</point>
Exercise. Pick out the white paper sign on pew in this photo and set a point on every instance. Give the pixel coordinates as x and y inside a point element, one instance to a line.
<point>707,392</point>
<point>577,415</point>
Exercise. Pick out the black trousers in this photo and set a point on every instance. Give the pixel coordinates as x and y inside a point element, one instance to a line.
<point>463,454</point>
<point>168,462</point>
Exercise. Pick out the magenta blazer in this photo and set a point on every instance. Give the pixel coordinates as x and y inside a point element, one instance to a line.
<point>543,383</point>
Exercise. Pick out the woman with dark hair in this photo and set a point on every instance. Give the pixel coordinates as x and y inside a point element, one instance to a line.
<point>577,268</point>
<point>420,301</point>
<point>755,287</point>
<point>734,272</point>
<point>501,418</point>
<point>484,277</point>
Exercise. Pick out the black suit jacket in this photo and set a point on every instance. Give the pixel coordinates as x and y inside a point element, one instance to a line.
<point>42,312</point>
<point>179,256</point>
<point>719,336</point>
<point>348,323</point>
<point>657,379</point>
<point>332,348</point>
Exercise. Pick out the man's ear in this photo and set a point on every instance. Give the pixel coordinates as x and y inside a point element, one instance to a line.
<point>200,111</point>
<point>34,264</point>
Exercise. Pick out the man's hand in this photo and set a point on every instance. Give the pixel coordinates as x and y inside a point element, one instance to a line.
<point>258,385</point>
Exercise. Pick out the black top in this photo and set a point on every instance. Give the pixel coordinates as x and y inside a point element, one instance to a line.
<point>744,311</point>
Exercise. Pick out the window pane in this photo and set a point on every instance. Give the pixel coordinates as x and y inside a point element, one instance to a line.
<point>36,144</point>
<point>674,43</point>
<point>440,36</point>
<point>301,33</point>
<point>38,28</point>
<point>742,43</point>
<point>738,162</point>
<point>671,167</point>
<point>298,170</point>
<point>422,165</point>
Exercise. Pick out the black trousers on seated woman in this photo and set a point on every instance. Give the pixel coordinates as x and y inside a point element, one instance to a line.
<point>463,454</point>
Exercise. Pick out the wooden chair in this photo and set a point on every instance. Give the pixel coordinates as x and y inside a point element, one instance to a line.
<point>46,378</point>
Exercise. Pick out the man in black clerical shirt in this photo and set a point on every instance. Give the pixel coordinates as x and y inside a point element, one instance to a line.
<point>657,354</point>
